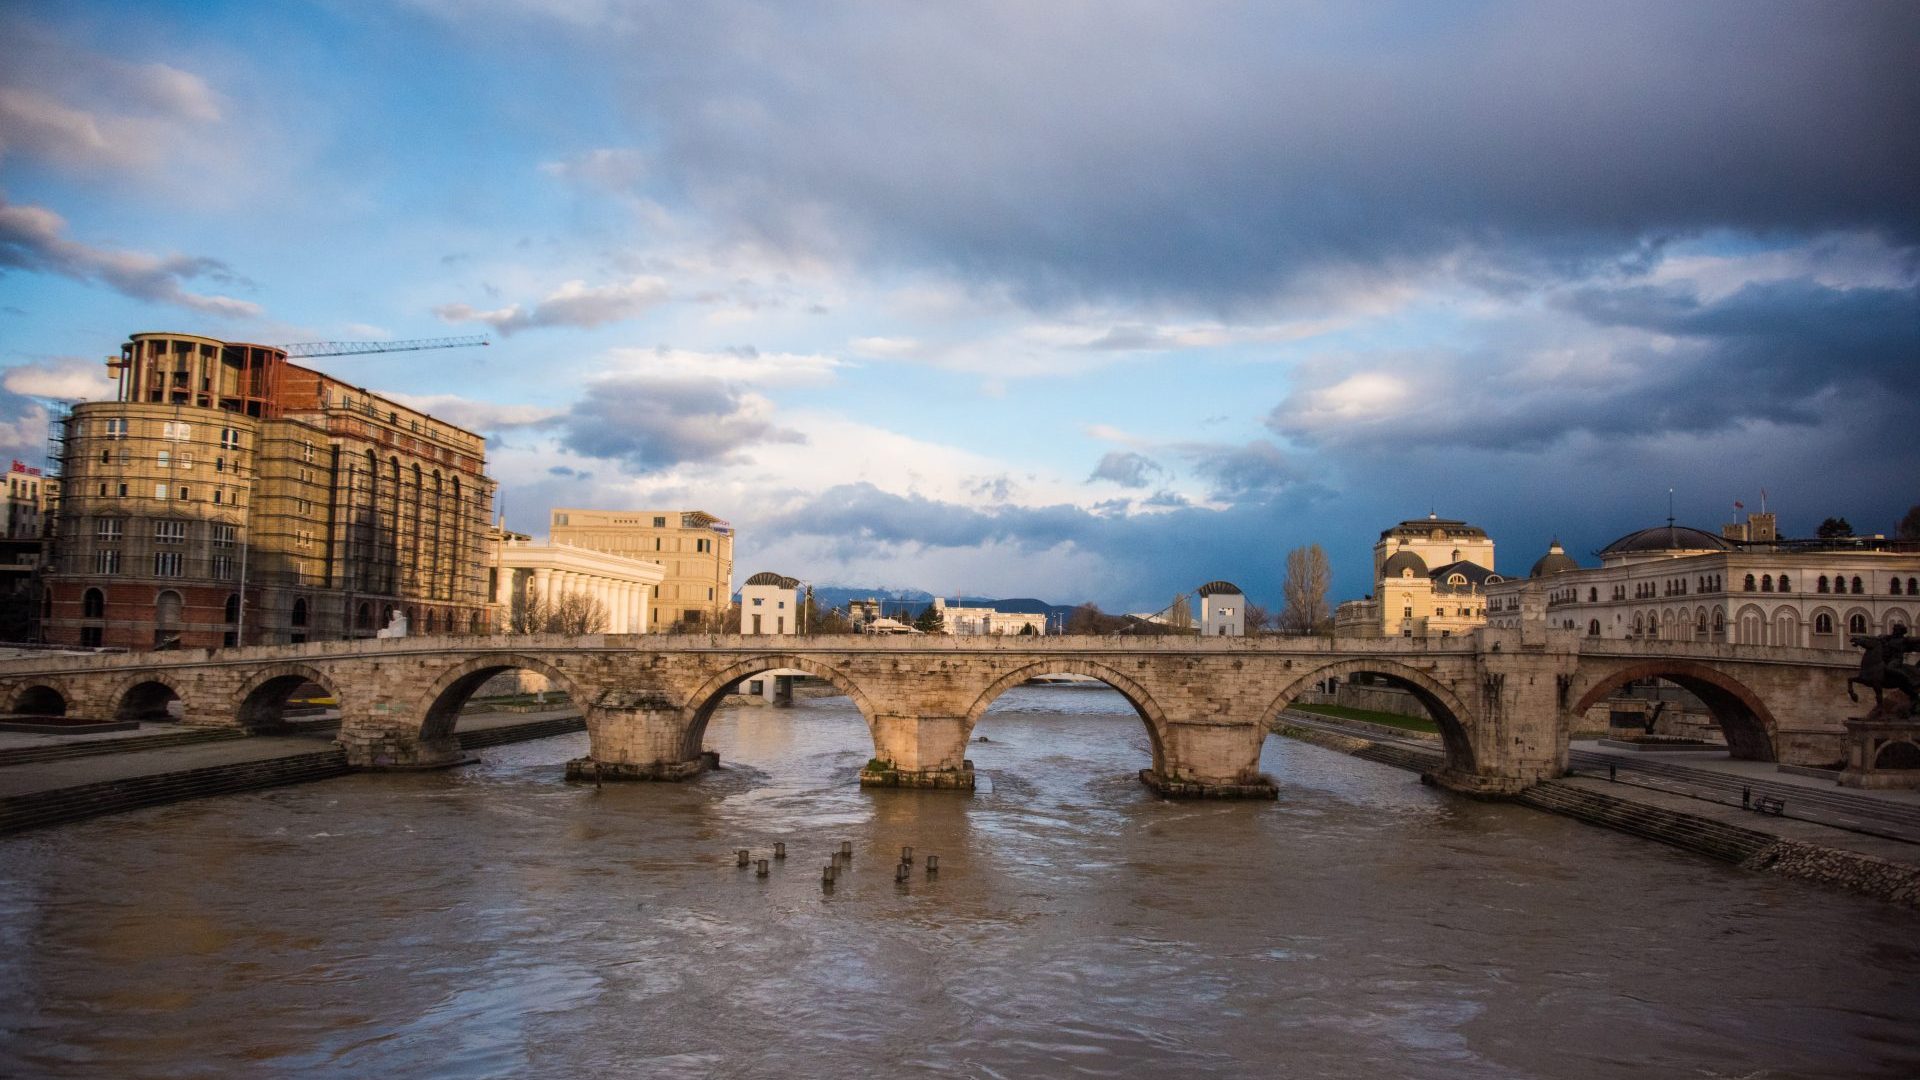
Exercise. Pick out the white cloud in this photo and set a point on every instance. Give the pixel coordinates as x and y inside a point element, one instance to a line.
<point>575,304</point>
<point>31,238</point>
<point>728,365</point>
<point>68,378</point>
<point>482,416</point>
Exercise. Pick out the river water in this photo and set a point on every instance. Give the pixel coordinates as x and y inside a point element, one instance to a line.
<point>497,921</point>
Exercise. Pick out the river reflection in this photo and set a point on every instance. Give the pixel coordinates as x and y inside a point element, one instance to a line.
<point>495,921</point>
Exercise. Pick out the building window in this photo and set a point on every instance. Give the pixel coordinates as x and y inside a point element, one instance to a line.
<point>1593,627</point>
<point>659,523</point>
<point>1786,583</point>
<point>1766,583</point>
<point>106,561</point>
<point>1857,624</point>
<point>222,567</point>
<point>108,528</point>
<point>232,611</point>
<point>186,461</point>
<point>185,493</point>
<point>170,532</point>
<point>1821,586</point>
<point>93,605</point>
<point>222,536</point>
<point>116,429</point>
<point>229,439</point>
<point>165,459</point>
<point>167,563</point>
<point>299,617</point>
<point>217,493</point>
<point>1749,583</point>
<point>1856,586</point>
<point>1823,623</point>
<point>123,490</point>
<point>159,491</point>
<point>179,432</point>
<point>306,452</point>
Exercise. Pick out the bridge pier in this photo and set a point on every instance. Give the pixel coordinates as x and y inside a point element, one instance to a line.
<point>1209,761</point>
<point>383,746</point>
<point>638,736</point>
<point>919,752</point>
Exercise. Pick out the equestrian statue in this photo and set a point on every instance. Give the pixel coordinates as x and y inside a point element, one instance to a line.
<point>1882,667</point>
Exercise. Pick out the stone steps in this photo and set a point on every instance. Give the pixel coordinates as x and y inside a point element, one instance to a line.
<point>1704,836</point>
<point>30,755</point>
<point>114,796</point>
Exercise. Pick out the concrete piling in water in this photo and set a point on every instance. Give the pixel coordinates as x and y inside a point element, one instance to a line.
<point>906,855</point>
<point>933,865</point>
<point>740,857</point>
<point>827,874</point>
<point>846,850</point>
<point>761,870</point>
<point>780,849</point>
<point>902,872</point>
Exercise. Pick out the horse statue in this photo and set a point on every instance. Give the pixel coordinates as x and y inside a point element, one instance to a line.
<point>1882,669</point>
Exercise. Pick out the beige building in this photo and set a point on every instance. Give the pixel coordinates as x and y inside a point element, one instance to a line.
<point>230,497</point>
<point>525,576</point>
<point>1674,583</point>
<point>693,548</point>
<point>30,499</point>
<point>1430,577</point>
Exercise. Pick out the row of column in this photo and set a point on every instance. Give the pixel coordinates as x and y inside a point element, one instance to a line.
<point>626,602</point>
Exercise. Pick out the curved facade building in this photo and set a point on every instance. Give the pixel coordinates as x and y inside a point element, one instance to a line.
<point>230,497</point>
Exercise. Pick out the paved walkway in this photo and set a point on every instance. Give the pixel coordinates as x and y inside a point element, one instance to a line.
<point>72,772</point>
<point>1878,822</point>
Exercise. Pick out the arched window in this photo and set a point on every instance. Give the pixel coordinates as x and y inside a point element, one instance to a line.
<point>473,621</point>
<point>432,622</point>
<point>1700,624</point>
<point>1896,586</point>
<point>1913,586</point>
<point>1639,624</point>
<point>300,612</point>
<point>1856,586</point>
<point>93,605</point>
<point>1749,582</point>
<point>233,607</point>
<point>1766,583</point>
<point>1719,624</point>
<point>1823,623</point>
<point>1593,627</point>
<point>1857,624</point>
<point>1821,585</point>
<point>1786,583</point>
<point>363,619</point>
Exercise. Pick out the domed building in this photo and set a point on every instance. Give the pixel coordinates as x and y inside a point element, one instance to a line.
<point>1746,586</point>
<point>770,604</point>
<point>1429,579</point>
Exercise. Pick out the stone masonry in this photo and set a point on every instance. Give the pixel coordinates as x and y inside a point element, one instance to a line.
<point>1505,698</point>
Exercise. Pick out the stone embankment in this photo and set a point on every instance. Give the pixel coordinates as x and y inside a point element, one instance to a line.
<point>145,780</point>
<point>1871,866</point>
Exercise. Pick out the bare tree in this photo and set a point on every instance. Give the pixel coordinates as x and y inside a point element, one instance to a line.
<point>1305,590</point>
<point>1258,619</point>
<point>569,613</point>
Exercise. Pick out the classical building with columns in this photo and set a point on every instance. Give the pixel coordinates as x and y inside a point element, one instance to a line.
<point>1430,579</point>
<point>524,574</point>
<point>1675,583</point>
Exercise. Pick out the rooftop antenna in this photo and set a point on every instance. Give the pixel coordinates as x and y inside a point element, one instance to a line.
<point>1672,536</point>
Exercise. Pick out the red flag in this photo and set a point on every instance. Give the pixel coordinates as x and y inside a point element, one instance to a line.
<point>1738,505</point>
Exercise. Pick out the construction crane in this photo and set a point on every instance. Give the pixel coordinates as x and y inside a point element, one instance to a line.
<point>308,349</point>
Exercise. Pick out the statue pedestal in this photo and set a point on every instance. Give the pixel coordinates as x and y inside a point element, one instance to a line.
<point>1883,747</point>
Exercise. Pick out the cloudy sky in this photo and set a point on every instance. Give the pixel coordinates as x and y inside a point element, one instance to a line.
<point>1076,300</point>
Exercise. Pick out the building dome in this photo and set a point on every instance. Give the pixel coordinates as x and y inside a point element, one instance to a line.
<point>1555,561</point>
<point>1401,561</point>
<point>769,578</point>
<point>1220,588</point>
<point>1668,537</point>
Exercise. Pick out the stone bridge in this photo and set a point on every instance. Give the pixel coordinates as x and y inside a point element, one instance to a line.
<point>1505,700</point>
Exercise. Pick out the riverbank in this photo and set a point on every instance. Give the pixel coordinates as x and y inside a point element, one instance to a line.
<point>1872,857</point>
<point>52,787</point>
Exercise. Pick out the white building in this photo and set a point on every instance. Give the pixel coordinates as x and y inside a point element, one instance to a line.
<point>1675,583</point>
<point>770,604</point>
<point>979,621</point>
<point>525,573</point>
<point>1223,610</point>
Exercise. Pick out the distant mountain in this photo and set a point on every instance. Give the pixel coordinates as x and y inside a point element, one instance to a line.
<point>909,603</point>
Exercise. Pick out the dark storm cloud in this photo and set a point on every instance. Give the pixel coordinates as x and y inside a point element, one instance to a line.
<point>1767,353</point>
<point>1254,471</point>
<point>1140,150</point>
<point>1126,468</point>
<point>649,423</point>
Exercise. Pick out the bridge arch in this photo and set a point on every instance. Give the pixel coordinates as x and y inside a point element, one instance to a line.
<point>1449,713</point>
<point>38,699</point>
<point>149,696</point>
<point>1136,695</point>
<point>262,703</point>
<point>1744,719</point>
<point>449,693</point>
<point>705,700</point>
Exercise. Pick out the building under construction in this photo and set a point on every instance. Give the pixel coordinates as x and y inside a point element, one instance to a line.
<point>228,497</point>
